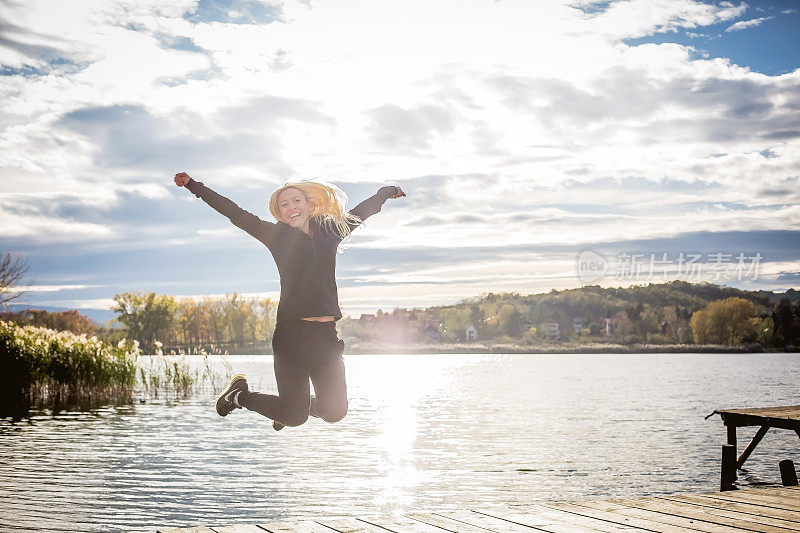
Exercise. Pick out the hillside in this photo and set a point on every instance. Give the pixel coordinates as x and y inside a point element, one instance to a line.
<point>654,314</point>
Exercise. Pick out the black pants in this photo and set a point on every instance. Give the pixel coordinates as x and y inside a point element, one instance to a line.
<point>304,350</point>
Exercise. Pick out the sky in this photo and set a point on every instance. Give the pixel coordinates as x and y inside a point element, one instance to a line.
<point>542,145</point>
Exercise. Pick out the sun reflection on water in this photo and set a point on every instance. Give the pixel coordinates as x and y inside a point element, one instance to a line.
<point>398,394</point>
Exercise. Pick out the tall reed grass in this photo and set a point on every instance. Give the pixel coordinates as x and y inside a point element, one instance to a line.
<point>44,367</point>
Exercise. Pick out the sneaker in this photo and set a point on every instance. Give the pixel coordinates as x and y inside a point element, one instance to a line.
<point>226,400</point>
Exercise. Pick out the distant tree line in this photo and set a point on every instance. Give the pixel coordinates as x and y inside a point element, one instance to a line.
<point>62,320</point>
<point>230,322</point>
<point>669,313</point>
<point>736,320</point>
<point>158,321</point>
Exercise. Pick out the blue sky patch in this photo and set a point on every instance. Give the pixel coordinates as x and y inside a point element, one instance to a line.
<point>235,12</point>
<point>764,39</point>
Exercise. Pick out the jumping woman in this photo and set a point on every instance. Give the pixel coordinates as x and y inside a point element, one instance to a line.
<point>311,222</point>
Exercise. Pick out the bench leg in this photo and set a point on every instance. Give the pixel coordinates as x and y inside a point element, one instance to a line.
<point>732,444</point>
<point>788,474</point>
<point>752,446</point>
<point>728,470</point>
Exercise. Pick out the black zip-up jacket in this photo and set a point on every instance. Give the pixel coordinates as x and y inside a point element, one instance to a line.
<point>306,263</point>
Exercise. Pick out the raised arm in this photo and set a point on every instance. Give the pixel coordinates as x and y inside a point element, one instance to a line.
<point>373,204</point>
<point>260,229</point>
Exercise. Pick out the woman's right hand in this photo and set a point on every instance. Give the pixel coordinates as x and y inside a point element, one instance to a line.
<point>181,179</point>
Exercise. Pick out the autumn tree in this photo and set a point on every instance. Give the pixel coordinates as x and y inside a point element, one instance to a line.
<point>264,310</point>
<point>728,321</point>
<point>231,319</point>
<point>70,320</point>
<point>510,320</point>
<point>147,317</point>
<point>455,321</point>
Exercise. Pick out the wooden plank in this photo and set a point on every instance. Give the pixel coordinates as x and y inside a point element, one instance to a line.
<point>487,522</point>
<point>709,516</point>
<point>544,518</point>
<point>640,523</point>
<point>788,412</point>
<point>654,519</point>
<point>240,528</point>
<point>780,501</point>
<point>402,525</point>
<point>780,490</point>
<point>446,523</point>
<point>349,525</point>
<point>764,510</point>
<point>747,507</point>
<point>196,529</point>
<point>736,510</point>
<point>787,417</point>
<point>785,410</point>
<point>297,526</point>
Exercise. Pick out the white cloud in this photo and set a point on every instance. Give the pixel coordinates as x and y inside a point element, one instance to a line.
<point>637,18</point>
<point>80,303</point>
<point>57,288</point>
<point>744,24</point>
<point>19,221</point>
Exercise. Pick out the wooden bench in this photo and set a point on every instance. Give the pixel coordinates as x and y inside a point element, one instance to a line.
<point>786,417</point>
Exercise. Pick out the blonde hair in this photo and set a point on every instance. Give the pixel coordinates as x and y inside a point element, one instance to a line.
<point>327,204</point>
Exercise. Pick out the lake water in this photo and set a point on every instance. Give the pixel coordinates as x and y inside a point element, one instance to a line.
<point>424,432</point>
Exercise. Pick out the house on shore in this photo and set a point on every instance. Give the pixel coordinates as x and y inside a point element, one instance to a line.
<point>610,327</point>
<point>430,334</point>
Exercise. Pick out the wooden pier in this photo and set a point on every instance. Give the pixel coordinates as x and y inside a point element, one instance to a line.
<point>756,509</point>
<point>765,418</point>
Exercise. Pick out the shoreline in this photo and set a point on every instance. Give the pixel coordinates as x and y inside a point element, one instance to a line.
<point>366,348</point>
<point>502,348</point>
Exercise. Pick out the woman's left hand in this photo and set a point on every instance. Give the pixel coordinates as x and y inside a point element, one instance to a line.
<point>399,194</point>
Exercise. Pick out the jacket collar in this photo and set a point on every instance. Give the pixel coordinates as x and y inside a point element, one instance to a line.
<point>313,226</point>
<point>284,227</point>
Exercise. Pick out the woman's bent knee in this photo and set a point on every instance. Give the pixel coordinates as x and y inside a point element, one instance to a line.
<point>334,415</point>
<point>294,419</point>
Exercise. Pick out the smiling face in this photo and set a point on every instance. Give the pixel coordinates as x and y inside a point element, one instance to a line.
<point>294,208</point>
